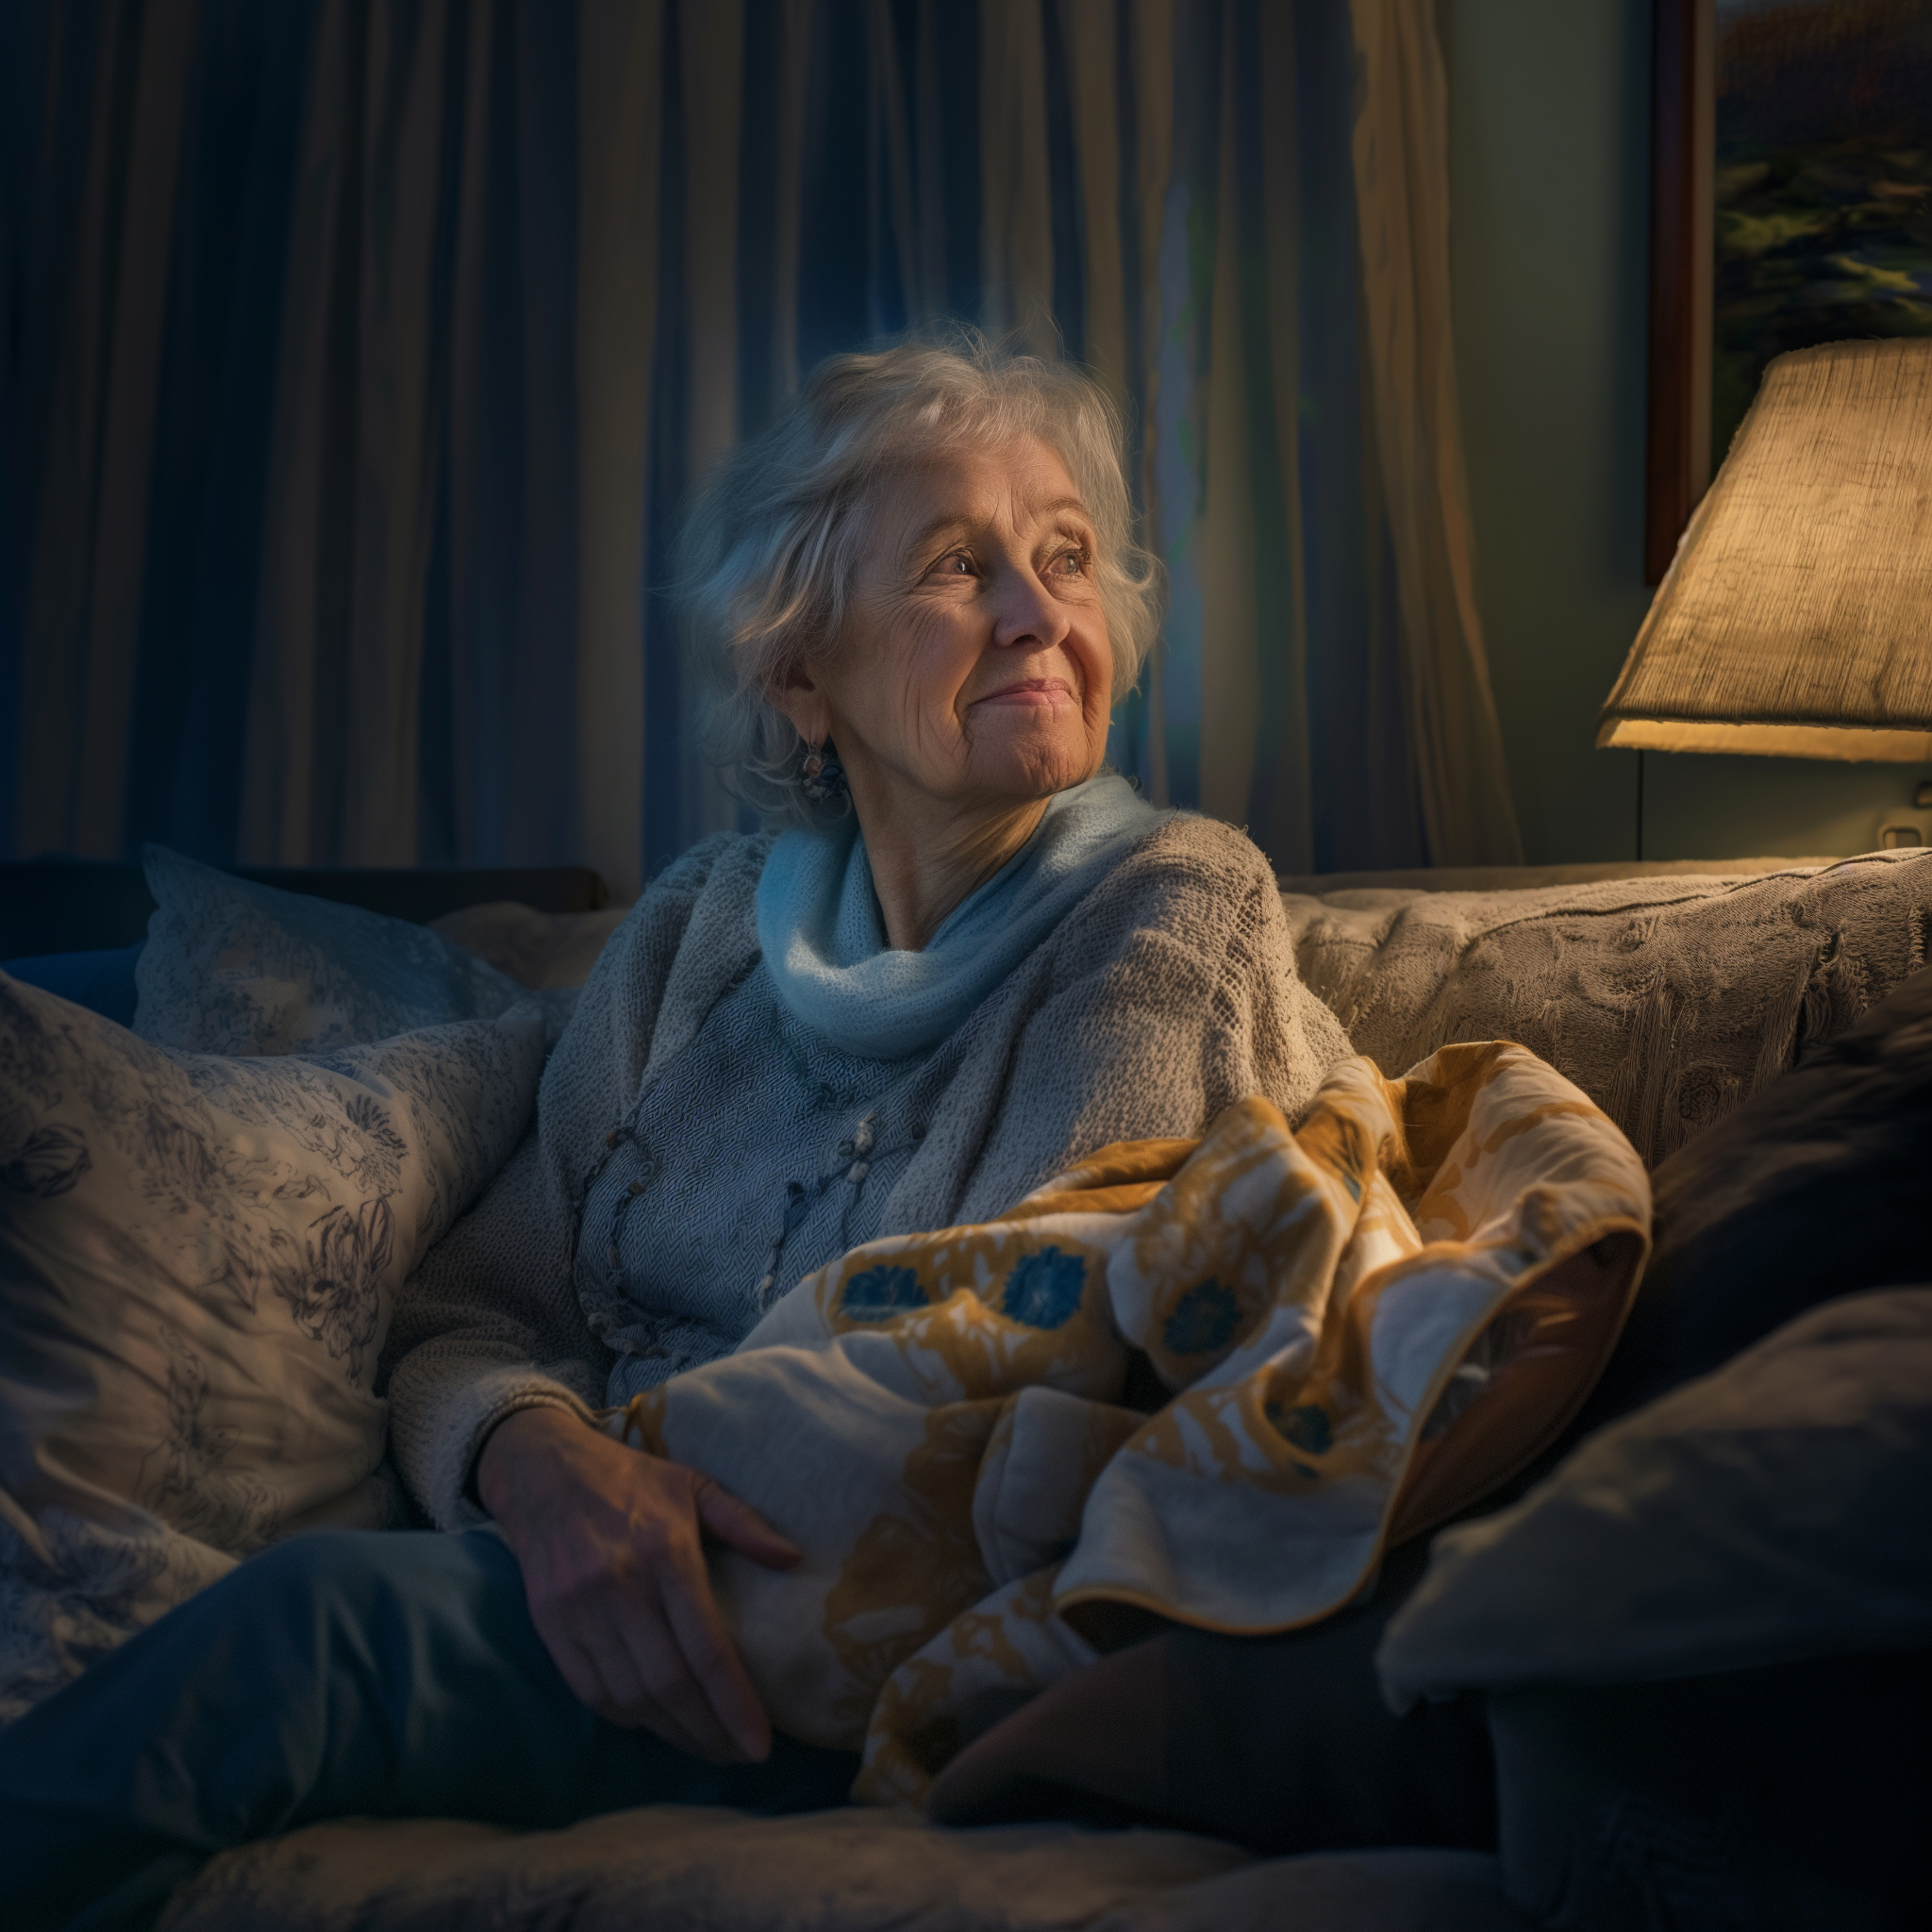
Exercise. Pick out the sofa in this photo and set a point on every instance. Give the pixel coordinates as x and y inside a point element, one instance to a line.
<point>1642,1776</point>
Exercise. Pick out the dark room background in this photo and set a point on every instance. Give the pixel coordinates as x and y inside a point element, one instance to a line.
<point>360,354</point>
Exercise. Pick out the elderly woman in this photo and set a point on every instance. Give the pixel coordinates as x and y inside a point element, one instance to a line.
<point>969,956</point>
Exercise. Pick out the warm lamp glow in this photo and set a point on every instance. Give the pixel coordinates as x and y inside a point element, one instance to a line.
<point>1852,742</point>
<point>1796,619</point>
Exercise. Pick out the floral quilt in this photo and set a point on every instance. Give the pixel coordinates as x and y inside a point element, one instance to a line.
<point>1203,1382</point>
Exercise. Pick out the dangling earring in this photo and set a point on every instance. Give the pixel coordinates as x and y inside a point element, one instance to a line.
<point>824,776</point>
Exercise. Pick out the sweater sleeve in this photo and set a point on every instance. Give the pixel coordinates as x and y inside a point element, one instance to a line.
<point>489,1324</point>
<point>1176,998</point>
<point>490,1321</point>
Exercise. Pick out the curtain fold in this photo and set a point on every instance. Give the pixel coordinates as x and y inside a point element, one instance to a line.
<point>76,672</point>
<point>368,352</point>
<point>619,47</point>
<point>1402,192</point>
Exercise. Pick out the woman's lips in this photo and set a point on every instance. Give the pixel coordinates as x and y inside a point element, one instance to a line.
<point>1038,693</point>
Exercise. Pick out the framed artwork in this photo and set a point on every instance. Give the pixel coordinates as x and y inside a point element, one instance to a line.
<point>1791,205</point>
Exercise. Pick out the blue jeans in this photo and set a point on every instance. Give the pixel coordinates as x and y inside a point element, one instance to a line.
<point>343,1673</point>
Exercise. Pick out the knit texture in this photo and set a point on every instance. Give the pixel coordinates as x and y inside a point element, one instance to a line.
<point>1165,994</point>
<point>825,942</point>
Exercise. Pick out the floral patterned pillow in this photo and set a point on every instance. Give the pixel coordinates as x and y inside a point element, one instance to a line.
<point>234,967</point>
<point>198,1260</point>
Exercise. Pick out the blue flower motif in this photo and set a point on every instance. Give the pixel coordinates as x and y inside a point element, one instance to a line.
<point>1307,1425</point>
<point>1203,1319</point>
<point>1044,1290</point>
<point>880,1293</point>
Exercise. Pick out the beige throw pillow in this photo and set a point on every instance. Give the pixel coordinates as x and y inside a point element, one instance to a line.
<point>198,1260</point>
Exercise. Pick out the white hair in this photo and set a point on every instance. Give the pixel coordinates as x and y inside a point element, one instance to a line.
<point>772,541</point>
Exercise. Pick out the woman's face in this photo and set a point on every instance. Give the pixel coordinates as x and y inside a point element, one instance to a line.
<point>974,665</point>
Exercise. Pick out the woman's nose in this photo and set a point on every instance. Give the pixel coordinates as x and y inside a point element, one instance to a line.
<point>1026,612</point>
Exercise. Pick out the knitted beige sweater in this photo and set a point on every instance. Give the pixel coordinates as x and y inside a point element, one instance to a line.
<point>1167,994</point>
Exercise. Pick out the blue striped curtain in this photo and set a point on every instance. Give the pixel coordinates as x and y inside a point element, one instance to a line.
<point>360,356</point>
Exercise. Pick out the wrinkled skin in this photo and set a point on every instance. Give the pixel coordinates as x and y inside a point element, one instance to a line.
<point>610,1544</point>
<point>973,677</point>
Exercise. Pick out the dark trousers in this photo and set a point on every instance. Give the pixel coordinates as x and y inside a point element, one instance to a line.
<point>342,1673</point>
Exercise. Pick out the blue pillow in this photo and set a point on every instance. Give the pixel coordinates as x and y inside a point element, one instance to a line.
<point>102,980</point>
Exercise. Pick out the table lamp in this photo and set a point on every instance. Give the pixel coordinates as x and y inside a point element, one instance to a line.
<point>1796,617</point>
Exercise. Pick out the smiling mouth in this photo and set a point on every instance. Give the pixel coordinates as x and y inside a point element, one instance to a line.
<point>1031,693</point>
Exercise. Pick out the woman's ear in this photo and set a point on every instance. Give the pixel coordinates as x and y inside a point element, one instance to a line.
<point>801,700</point>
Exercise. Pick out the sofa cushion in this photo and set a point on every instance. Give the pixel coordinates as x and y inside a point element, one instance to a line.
<point>1784,1799</point>
<point>1669,1001</point>
<point>678,1869</point>
<point>1708,1644</point>
<point>1778,1510</point>
<point>198,1257</point>
<point>234,967</point>
<point>688,1868</point>
<point>1813,1189</point>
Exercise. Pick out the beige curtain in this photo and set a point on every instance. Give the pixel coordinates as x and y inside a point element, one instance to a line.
<point>1402,199</point>
<point>619,55</point>
<point>83,616</point>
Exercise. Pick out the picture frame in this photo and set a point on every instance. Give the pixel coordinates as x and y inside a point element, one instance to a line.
<point>1682,159</point>
<point>1791,205</point>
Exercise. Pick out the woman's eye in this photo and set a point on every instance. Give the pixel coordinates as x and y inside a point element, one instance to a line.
<point>1070,562</point>
<point>957,564</point>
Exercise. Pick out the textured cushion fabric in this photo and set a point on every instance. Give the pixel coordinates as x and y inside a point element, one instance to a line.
<point>537,949</point>
<point>1778,1510</point>
<point>1813,1189</point>
<point>200,1256</point>
<point>1669,1001</point>
<point>686,1870</point>
<point>1530,878</point>
<point>233,967</point>
<point>102,980</point>
<point>1282,1743</point>
<point>1785,1799</point>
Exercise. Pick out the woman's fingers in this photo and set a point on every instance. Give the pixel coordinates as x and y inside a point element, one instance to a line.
<point>613,1658</point>
<point>579,1668</point>
<point>639,1709</point>
<point>708,1652</point>
<point>678,1695</point>
<point>611,1543</point>
<point>741,1526</point>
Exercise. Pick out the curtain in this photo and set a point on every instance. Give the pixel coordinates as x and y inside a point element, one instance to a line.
<point>1402,177</point>
<point>361,355</point>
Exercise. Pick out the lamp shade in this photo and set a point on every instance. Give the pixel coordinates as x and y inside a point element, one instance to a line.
<point>1797,618</point>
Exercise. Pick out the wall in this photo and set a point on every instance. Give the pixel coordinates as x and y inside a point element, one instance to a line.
<point>1549,165</point>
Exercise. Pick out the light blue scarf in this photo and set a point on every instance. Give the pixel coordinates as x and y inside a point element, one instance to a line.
<point>824,937</point>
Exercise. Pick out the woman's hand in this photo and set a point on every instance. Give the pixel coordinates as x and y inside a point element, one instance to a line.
<point>610,1540</point>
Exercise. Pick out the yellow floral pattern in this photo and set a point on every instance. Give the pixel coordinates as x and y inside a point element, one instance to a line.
<point>1362,1325</point>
